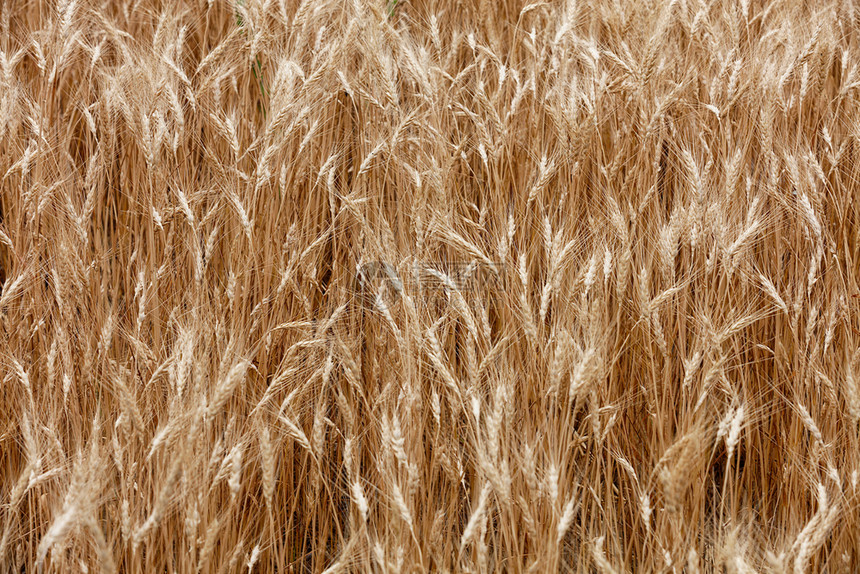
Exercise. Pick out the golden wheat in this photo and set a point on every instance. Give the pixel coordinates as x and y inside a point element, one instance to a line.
<point>411,286</point>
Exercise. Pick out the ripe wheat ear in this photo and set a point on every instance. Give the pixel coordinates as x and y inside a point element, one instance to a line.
<point>429,286</point>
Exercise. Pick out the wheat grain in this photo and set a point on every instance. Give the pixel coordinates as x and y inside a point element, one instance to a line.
<point>191,203</point>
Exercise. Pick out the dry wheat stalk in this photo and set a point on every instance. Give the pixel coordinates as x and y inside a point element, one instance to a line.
<point>633,344</point>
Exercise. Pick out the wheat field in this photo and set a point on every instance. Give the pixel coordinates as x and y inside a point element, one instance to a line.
<point>396,286</point>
